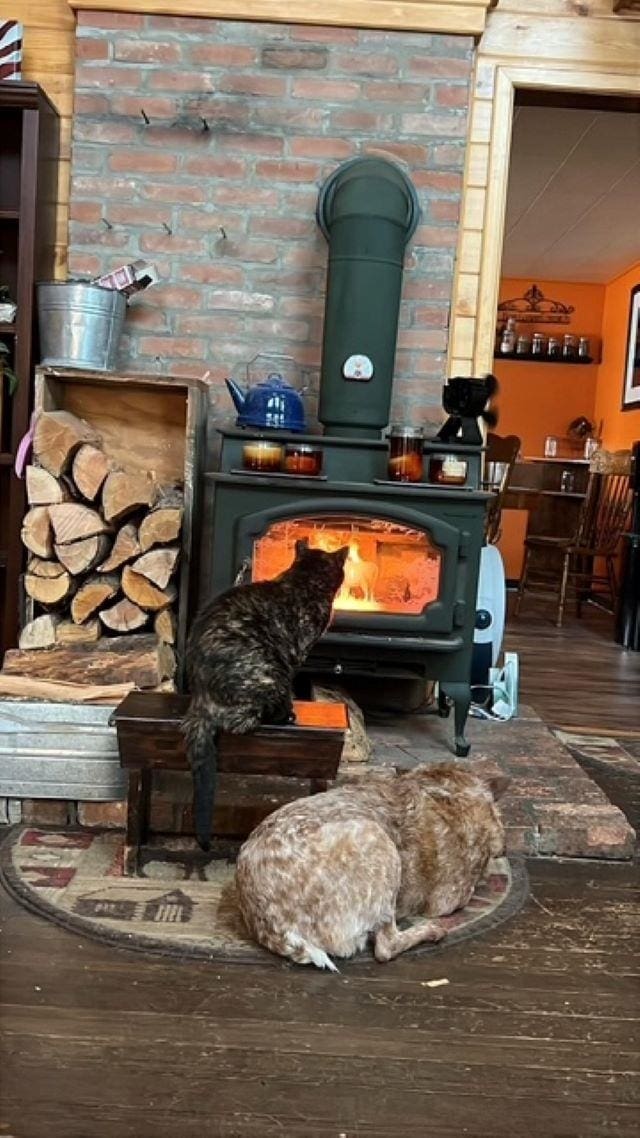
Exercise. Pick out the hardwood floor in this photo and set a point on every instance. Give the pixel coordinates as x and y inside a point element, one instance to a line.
<point>576,676</point>
<point>535,1033</point>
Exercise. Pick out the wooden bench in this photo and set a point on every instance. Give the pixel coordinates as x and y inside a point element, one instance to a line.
<point>149,738</point>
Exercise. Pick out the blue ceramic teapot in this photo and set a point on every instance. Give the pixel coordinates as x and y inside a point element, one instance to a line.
<point>272,404</point>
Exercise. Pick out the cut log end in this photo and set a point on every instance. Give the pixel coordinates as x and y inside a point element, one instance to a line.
<point>124,494</point>
<point>57,437</point>
<point>125,548</point>
<point>124,616</point>
<point>139,590</point>
<point>43,489</point>
<point>92,595</point>
<point>89,470</point>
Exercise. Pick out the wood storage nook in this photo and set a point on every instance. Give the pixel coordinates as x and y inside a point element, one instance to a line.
<point>111,453</point>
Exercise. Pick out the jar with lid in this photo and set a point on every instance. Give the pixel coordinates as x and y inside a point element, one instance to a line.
<point>538,344</point>
<point>262,456</point>
<point>584,348</point>
<point>405,453</point>
<point>508,341</point>
<point>447,470</point>
<point>523,346</point>
<point>302,459</point>
<point>569,347</point>
<point>554,348</point>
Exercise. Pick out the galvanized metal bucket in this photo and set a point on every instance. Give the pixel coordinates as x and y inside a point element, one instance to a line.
<point>80,325</point>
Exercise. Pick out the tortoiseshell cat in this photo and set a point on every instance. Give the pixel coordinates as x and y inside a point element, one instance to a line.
<point>243,652</point>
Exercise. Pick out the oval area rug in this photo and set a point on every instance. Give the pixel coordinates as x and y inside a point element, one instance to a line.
<point>184,904</point>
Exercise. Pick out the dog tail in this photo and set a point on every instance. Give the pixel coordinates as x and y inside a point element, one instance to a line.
<point>302,952</point>
<point>200,728</point>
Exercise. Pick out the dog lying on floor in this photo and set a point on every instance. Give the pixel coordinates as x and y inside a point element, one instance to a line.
<point>321,875</point>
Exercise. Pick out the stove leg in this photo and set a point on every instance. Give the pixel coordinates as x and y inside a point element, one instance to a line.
<point>461,696</point>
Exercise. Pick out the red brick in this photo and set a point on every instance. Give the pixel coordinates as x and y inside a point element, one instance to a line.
<point>180,81</point>
<point>105,188</point>
<point>189,193</point>
<point>147,51</point>
<point>213,324</point>
<point>88,131</point>
<point>445,182</point>
<point>301,306</point>
<point>425,289</point>
<point>212,166</point>
<point>406,93</point>
<point>212,272</point>
<point>92,49</point>
<point>120,21</point>
<point>431,316</point>
<point>106,238</point>
<point>439,67</point>
<point>155,106</point>
<point>171,296</point>
<point>104,815</point>
<point>184,24</point>
<point>296,330</point>
<point>363,64</point>
<point>328,90</point>
<point>45,811</point>
<point>261,252</point>
<point>410,152</point>
<point>287,118</point>
<point>287,227</point>
<point>172,346</point>
<point>109,77</point>
<point>368,121</point>
<point>223,55</point>
<point>143,316</point>
<point>444,209</point>
<point>288,171</point>
<point>448,155</point>
<point>321,34</point>
<point>235,197</point>
<point>251,144</point>
<point>90,105</point>
<point>87,212</point>
<point>143,162</point>
<point>173,244</point>
<point>450,95</point>
<point>434,123</point>
<point>435,341</point>
<point>294,59</point>
<point>321,147</point>
<point>270,86</point>
<point>436,236</point>
<point>238,300</point>
<point>84,264</point>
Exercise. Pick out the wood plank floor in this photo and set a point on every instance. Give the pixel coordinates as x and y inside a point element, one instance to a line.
<point>535,1033</point>
<point>576,676</point>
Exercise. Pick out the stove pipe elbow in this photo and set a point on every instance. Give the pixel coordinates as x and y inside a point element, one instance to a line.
<point>368,211</point>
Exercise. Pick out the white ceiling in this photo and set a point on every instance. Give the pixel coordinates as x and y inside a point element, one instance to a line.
<point>573,204</point>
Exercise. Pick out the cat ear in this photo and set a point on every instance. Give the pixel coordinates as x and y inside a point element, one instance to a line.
<point>343,552</point>
<point>302,544</point>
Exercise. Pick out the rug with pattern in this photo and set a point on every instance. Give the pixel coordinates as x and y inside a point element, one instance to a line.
<point>183,904</point>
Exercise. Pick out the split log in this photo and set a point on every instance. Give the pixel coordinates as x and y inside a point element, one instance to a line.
<point>91,595</point>
<point>89,470</point>
<point>56,438</point>
<point>72,521</point>
<point>81,556</point>
<point>124,616</point>
<point>139,590</point>
<point>157,565</point>
<point>48,586</point>
<point>123,494</point>
<point>43,489</point>
<point>164,626</point>
<point>69,633</point>
<point>125,548</point>
<point>39,633</point>
<point>24,687</point>
<point>36,532</point>
<point>139,659</point>
<point>162,524</point>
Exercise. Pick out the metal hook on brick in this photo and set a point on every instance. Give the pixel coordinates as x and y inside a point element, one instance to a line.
<point>167,229</point>
<point>223,232</point>
<point>106,222</point>
<point>145,116</point>
<point>205,124</point>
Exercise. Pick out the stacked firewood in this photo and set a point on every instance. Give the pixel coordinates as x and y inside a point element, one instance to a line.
<point>104,547</point>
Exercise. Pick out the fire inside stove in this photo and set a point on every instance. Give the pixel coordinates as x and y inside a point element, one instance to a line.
<point>390,568</point>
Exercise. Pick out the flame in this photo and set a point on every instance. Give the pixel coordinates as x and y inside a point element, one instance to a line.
<point>361,575</point>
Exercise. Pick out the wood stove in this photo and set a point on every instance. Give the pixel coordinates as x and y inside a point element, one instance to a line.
<point>409,596</point>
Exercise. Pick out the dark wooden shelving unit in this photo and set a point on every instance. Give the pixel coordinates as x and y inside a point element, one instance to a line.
<point>513,358</point>
<point>29,133</point>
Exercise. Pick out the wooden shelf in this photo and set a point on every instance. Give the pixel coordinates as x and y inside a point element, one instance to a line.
<point>9,214</point>
<point>8,329</point>
<point>512,358</point>
<point>6,459</point>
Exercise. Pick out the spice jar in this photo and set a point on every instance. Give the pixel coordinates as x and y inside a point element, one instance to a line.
<point>447,470</point>
<point>262,455</point>
<point>303,459</point>
<point>569,347</point>
<point>584,352</point>
<point>538,344</point>
<point>405,453</point>
<point>550,446</point>
<point>554,350</point>
<point>523,346</point>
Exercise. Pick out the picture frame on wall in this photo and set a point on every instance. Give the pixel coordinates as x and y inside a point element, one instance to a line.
<point>631,389</point>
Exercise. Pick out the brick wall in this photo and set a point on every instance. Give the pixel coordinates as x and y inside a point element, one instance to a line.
<point>219,188</point>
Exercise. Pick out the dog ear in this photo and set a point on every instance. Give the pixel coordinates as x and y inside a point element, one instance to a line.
<point>498,784</point>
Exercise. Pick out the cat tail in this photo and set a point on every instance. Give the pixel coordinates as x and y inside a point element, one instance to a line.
<point>201,732</point>
<point>302,952</point>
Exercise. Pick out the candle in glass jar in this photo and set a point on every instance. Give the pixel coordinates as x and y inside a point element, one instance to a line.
<point>262,455</point>
<point>405,454</point>
<point>300,458</point>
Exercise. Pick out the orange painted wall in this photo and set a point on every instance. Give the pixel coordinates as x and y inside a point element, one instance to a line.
<point>619,428</point>
<point>541,399</point>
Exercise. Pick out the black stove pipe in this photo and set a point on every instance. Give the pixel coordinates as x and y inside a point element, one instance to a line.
<point>368,211</point>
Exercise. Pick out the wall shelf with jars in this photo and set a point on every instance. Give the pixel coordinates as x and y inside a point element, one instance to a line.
<point>541,348</point>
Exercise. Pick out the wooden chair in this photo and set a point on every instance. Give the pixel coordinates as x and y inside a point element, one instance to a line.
<point>604,516</point>
<point>500,459</point>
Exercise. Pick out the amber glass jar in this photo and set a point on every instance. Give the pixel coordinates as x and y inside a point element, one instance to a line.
<point>302,459</point>
<point>405,454</point>
<point>262,455</point>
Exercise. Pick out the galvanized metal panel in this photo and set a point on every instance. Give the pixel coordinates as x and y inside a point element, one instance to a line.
<point>59,750</point>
